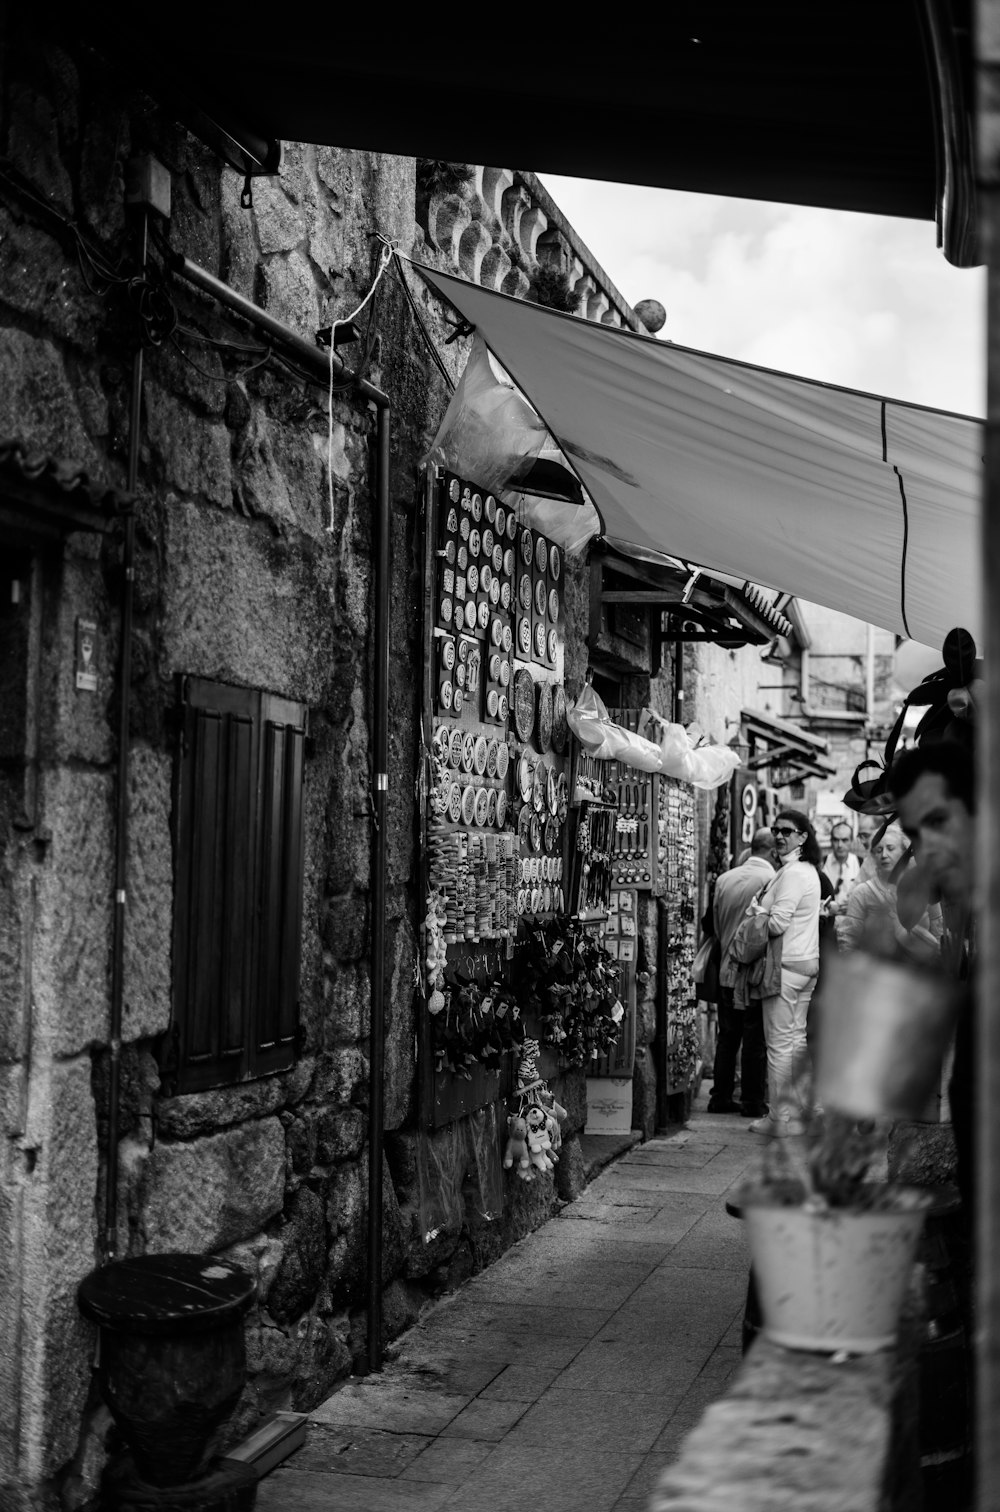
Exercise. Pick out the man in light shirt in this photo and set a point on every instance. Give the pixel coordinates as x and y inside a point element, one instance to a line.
<point>733,892</point>
<point>842,867</point>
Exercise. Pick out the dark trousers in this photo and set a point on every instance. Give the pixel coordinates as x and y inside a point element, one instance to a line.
<point>740,1028</point>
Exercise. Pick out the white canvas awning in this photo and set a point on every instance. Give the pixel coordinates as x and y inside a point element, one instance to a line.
<point>863,504</point>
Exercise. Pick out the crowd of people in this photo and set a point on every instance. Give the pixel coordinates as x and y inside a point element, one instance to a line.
<point>895,888</point>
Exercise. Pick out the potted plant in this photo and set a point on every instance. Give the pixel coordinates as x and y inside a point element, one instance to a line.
<point>831,1245</point>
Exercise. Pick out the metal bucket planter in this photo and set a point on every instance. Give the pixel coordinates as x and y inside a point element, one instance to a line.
<point>833,1279</point>
<point>883,1034</point>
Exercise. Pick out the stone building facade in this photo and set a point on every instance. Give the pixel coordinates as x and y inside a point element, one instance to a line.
<point>254,573</point>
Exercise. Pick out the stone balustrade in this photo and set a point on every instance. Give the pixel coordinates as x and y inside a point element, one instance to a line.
<point>497,227</point>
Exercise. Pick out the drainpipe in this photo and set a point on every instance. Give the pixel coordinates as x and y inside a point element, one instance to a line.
<point>110,1241</point>
<point>317,362</point>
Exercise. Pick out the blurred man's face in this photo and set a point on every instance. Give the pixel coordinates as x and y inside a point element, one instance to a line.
<point>940,829</point>
<point>840,841</point>
<point>867,828</point>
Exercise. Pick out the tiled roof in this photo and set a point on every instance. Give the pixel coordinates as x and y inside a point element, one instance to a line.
<point>61,493</point>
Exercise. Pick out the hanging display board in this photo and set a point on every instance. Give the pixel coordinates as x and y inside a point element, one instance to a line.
<point>496,792</point>
<point>634,851</point>
<point>678,857</point>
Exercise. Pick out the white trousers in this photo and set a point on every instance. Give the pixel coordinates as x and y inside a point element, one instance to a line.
<point>785,1019</point>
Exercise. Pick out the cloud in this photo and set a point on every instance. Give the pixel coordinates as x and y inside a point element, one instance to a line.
<point>861,300</point>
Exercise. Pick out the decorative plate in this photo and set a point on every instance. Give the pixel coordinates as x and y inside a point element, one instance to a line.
<point>473,578</point>
<point>491,807</point>
<point>477,507</point>
<point>460,592</point>
<point>492,703</point>
<point>552,644</point>
<point>474,665</point>
<point>511,526</point>
<point>497,559</point>
<point>470,615</point>
<point>552,793</point>
<point>444,612</point>
<point>468,751</point>
<point>527,551</point>
<point>463,650</point>
<point>454,803</point>
<point>524,702</point>
<point>441,743</point>
<point>504,673</point>
<point>456,747</point>
<point>485,577</point>
<point>503,758</point>
<point>553,604</point>
<point>463,559</point>
<point>540,596</point>
<point>481,754</point>
<point>490,508</point>
<point>495,667</point>
<point>457,701</point>
<point>508,639</point>
<point>484,614</point>
<point>551,834</point>
<point>445,694</point>
<point>501,520</point>
<point>451,524</point>
<point>536,900</point>
<point>466,496</point>
<point>540,639</point>
<point>494,591</point>
<point>491,758</point>
<point>538,785</point>
<point>464,528</point>
<point>544,717</point>
<point>505,596</point>
<point>503,709</point>
<point>546,899</point>
<point>482,806</point>
<point>448,655</point>
<point>524,823</point>
<point>474,542</point>
<point>448,584</point>
<point>524,779</point>
<point>454,490</point>
<point>562,801</point>
<point>468,805</point>
<point>524,591</point>
<point>460,675</point>
<point>541,553</point>
<point>535,832</point>
<point>524,635</point>
<point>501,819</point>
<point>555,563</point>
<point>487,543</point>
<point>496,631</point>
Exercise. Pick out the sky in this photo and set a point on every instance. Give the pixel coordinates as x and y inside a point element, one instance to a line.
<point>862,300</point>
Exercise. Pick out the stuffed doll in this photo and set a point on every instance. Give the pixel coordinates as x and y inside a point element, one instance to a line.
<point>539,1143</point>
<point>516,1152</point>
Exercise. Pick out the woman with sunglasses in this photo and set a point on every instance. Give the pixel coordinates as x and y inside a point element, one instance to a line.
<point>792,902</point>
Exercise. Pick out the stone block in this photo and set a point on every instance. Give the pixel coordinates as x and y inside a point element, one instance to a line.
<point>33,143</point>
<point>305,1246</point>
<point>571,1172</point>
<point>149,909</point>
<point>644,1093</point>
<point>81,727</point>
<point>401,1305</point>
<point>260,1257</point>
<point>400,1067</point>
<point>340,1075</point>
<point>340,1135</point>
<point>192,454</point>
<point>922,1154</point>
<point>230,589</point>
<point>57,1237</point>
<point>206,1112</point>
<point>347,1215</point>
<point>291,293</point>
<point>345,926</point>
<point>212,1191</point>
<point>39,284</point>
<point>72,925</point>
<point>37,402</point>
<point>281,220</point>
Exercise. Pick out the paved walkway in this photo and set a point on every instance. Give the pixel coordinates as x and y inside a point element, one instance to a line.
<point>564,1376</point>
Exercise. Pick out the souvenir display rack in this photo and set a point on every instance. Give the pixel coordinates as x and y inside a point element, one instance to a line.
<point>635,848</point>
<point>676,828</point>
<point>495,782</point>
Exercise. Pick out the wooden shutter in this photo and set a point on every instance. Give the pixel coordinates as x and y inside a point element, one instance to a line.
<point>238,885</point>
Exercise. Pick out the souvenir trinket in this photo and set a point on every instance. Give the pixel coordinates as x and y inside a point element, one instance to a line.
<point>454,490</point>
<point>468,805</point>
<point>474,543</point>
<point>457,700</point>
<point>446,695</point>
<point>476,507</point>
<point>508,562</point>
<point>555,563</point>
<point>540,640</point>
<point>507,640</point>
<point>501,818</point>
<point>524,635</point>
<point>539,595</point>
<point>544,717</point>
<point>511,526</point>
<point>551,645</point>
<point>490,508</point>
<point>501,520</point>
<point>484,614</point>
<point>524,777</point>
<point>503,758</point>
<point>527,550</point>
<point>560,728</point>
<point>524,702</point>
<point>468,751</point>
<point>524,591</point>
<point>541,553</point>
<point>553,604</point>
<point>503,709</point>
<point>481,752</point>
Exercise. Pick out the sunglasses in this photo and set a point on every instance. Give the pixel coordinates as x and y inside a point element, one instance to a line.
<point>782,829</point>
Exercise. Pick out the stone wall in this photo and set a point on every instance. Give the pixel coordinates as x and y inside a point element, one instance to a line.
<point>253,567</point>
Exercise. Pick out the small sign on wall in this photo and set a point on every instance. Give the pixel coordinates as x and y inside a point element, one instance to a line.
<point>86,656</point>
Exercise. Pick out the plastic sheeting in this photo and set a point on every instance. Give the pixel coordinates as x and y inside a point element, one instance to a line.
<point>670,750</point>
<point>866,505</point>
<point>490,434</point>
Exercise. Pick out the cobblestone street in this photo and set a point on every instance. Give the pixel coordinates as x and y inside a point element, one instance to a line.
<point>565,1375</point>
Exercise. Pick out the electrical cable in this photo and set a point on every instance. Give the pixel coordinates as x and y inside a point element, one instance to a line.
<point>385,258</point>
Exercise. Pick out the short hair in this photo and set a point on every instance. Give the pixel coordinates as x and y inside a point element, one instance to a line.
<point>941,758</point>
<point>844,824</point>
<point>810,845</point>
<point>762,843</point>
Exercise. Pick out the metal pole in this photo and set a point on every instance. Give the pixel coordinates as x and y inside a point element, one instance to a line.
<point>110,1241</point>
<point>380,763</point>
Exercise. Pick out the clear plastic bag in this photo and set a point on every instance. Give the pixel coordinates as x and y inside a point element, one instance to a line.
<point>486,1193</point>
<point>442,1161</point>
<point>489,432</point>
<point>601,738</point>
<point>706,766</point>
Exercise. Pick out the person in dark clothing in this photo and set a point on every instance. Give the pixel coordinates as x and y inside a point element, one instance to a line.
<point>733,892</point>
